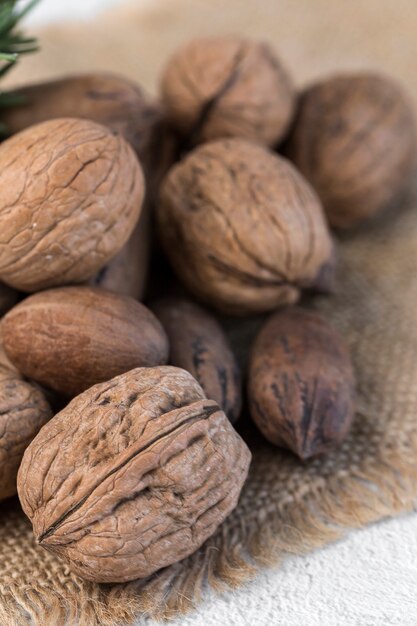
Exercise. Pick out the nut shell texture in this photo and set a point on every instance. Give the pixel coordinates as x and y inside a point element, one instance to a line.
<point>71,338</point>
<point>241,227</point>
<point>301,385</point>
<point>227,87</point>
<point>71,194</point>
<point>133,475</point>
<point>355,140</point>
<point>199,345</point>
<point>23,411</point>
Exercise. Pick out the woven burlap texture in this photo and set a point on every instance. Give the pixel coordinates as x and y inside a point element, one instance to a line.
<point>286,507</point>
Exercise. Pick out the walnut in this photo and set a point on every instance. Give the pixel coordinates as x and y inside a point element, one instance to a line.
<point>354,139</point>
<point>199,345</point>
<point>23,411</point>
<point>241,227</point>
<point>8,298</point>
<point>133,475</point>
<point>107,99</point>
<point>71,196</point>
<point>226,87</point>
<point>301,384</point>
<point>70,338</point>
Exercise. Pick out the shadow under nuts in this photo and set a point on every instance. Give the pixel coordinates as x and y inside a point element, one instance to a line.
<point>301,385</point>
<point>133,475</point>
<point>354,139</point>
<point>23,412</point>
<point>241,227</point>
<point>199,345</point>
<point>71,196</point>
<point>228,86</point>
<point>71,338</point>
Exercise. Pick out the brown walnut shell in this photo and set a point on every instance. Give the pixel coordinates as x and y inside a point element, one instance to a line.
<point>227,87</point>
<point>354,139</point>
<point>301,384</point>
<point>71,196</point>
<point>133,475</point>
<point>23,411</point>
<point>241,227</point>
<point>71,338</point>
<point>199,345</point>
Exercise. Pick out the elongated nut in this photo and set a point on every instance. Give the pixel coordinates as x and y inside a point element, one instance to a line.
<point>133,475</point>
<point>301,385</point>
<point>70,338</point>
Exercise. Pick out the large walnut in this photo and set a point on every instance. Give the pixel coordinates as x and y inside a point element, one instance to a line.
<point>71,338</point>
<point>226,87</point>
<point>71,194</point>
<point>23,411</point>
<point>301,385</point>
<point>354,139</point>
<point>199,345</point>
<point>133,475</point>
<point>107,99</point>
<point>241,227</point>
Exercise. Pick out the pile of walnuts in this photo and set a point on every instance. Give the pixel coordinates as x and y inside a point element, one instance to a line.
<point>117,418</point>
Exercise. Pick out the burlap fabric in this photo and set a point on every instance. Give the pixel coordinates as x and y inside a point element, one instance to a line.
<point>285,506</point>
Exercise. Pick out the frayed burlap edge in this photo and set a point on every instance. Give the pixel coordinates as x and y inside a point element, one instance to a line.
<point>386,487</point>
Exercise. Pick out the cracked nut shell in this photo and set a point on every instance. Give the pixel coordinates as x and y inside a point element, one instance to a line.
<point>199,345</point>
<point>354,139</point>
<point>241,227</point>
<point>23,411</point>
<point>71,338</point>
<point>133,475</point>
<point>71,196</point>
<point>227,87</point>
<point>301,384</point>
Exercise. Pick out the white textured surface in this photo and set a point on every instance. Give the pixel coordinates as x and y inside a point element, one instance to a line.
<point>369,579</point>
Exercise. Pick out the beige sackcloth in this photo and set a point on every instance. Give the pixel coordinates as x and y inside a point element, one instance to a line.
<point>286,507</point>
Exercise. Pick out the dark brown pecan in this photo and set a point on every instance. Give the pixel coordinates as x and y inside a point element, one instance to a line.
<point>354,139</point>
<point>301,385</point>
<point>199,345</point>
<point>241,227</point>
<point>133,475</point>
<point>71,196</point>
<point>70,338</point>
<point>23,411</point>
<point>226,87</point>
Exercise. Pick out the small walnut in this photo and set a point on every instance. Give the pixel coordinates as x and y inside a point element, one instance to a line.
<point>355,140</point>
<point>107,99</point>
<point>241,227</point>
<point>71,196</point>
<point>133,475</point>
<point>23,411</point>
<point>226,87</point>
<point>199,345</point>
<point>70,338</point>
<point>301,385</point>
<point>8,298</point>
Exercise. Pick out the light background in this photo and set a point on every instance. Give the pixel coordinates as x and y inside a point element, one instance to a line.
<point>369,579</point>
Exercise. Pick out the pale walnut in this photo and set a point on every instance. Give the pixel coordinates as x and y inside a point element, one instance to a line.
<point>242,228</point>
<point>71,196</point>
<point>133,475</point>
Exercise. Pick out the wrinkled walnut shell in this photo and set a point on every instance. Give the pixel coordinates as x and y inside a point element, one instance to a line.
<point>241,227</point>
<point>199,345</point>
<point>133,475</point>
<point>71,196</point>
<point>301,385</point>
<point>23,411</point>
<point>228,87</point>
<point>71,338</point>
<point>354,139</point>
